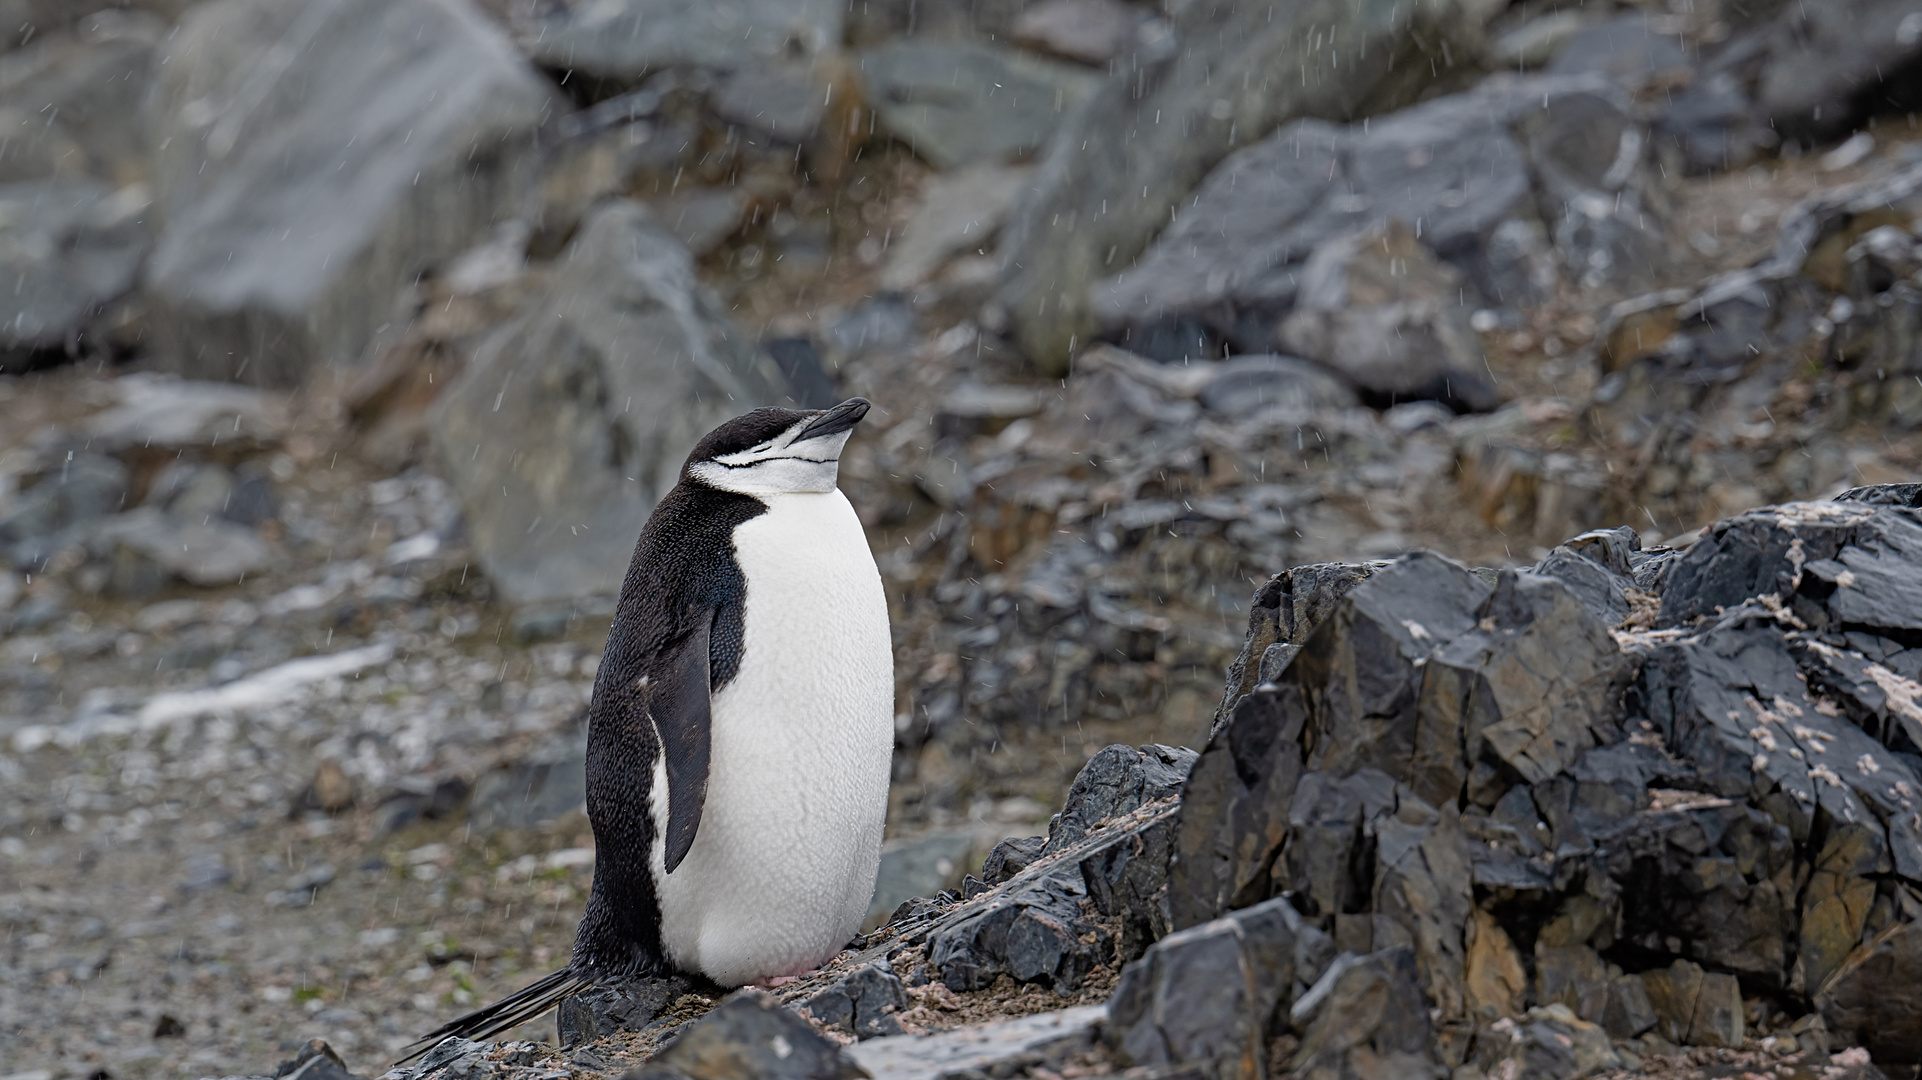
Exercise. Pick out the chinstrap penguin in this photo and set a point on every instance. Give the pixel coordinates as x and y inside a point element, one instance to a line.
<point>741,728</point>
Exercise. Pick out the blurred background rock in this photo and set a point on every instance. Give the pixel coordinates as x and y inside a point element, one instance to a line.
<point>349,343</point>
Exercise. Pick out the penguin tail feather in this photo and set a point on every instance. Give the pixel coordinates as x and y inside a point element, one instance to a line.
<point>511,1011</point>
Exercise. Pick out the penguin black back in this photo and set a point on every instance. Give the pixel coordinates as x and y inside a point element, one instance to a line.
<point>677,638</point>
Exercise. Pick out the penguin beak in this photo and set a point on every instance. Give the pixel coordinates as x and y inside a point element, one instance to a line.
<point>841,418</point>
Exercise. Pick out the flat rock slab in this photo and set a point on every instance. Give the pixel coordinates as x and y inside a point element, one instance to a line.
<point>979,1047</point>
<point>628,39</point>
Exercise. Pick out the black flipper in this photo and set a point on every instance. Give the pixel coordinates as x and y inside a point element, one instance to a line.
<point>509,1012</point>
<point>679,707</point>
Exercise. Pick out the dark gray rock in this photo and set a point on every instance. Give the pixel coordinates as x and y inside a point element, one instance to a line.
<point>1628,1012</point>
<point>392,136</point>
<point>920,867</point>
<point>1559,158</point>
<point>606,379</point>
<point>315,1061</point>
<point>1874,1000</point>
<point>1010,857</point>
<point>862,1002</point>
<point>1209,994</point>
<point>1377,309</point>
<point>1695,1007</point>
<point>1041,925</point>
<point>623,1005</point>
<point>1116,781</point>
<point>452,1056</point>
<point>1365,1017</point>
<point>749,1035</point>
<point>1286,609</point>
<point>542,786</point>
<point>1111,175</point>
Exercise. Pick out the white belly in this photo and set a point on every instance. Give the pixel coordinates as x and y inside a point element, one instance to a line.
<point>782,868</point>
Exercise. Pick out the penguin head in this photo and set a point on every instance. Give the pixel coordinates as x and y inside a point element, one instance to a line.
<point>776,451</point>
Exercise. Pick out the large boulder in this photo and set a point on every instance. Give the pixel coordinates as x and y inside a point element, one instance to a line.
<point>1230,72</point>
<point>312,159</point>
<point>1514,184</point>
<point>573,418</point>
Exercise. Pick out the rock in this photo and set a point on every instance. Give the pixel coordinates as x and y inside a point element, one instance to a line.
<point>205,870</point>
<point>1208,995</point>
<point>607,1007</point>
<point>1483,179</point>
<point>607,378</point>
<point>919,867</point>
<point>1091,31</point>
<point>964,103</point>
<point>1625,49</point>
<point>86,488</point>
<point>749,1034</point>
<point>628,39</point>
<point>67,248</point>
<point>862,1002</point>
<point>164,413</point>
<point>1694,1007</point>
<point>987,1048</point>
<point>424,799</point>
<point>1365,1018</point>
<point>250,152</point>
<point>1286,609</point>
<point>1112,174</point>
<point>1629,1012</point>
<point>1010,857</point>
<point>1548,1042</point>
<point>702,218</point>
<point>782,100</point>
<point>544,785</point>
<point>1375,308</point>
<point>85,90</point>
<point>960,211</point>
<point>1038,926</point>
<point>315,1061</point>
<point>1872,1001</point>
<point>1244,386</point>
<point>1116,781</point>
<point>452,1056</point>
<point>145,548</point>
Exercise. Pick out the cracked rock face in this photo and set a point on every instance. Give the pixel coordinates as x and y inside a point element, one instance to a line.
<point>1631,786</point>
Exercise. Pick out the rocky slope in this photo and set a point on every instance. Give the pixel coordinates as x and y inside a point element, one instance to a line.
<point>1554,821</point>
<point>347,340</point>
